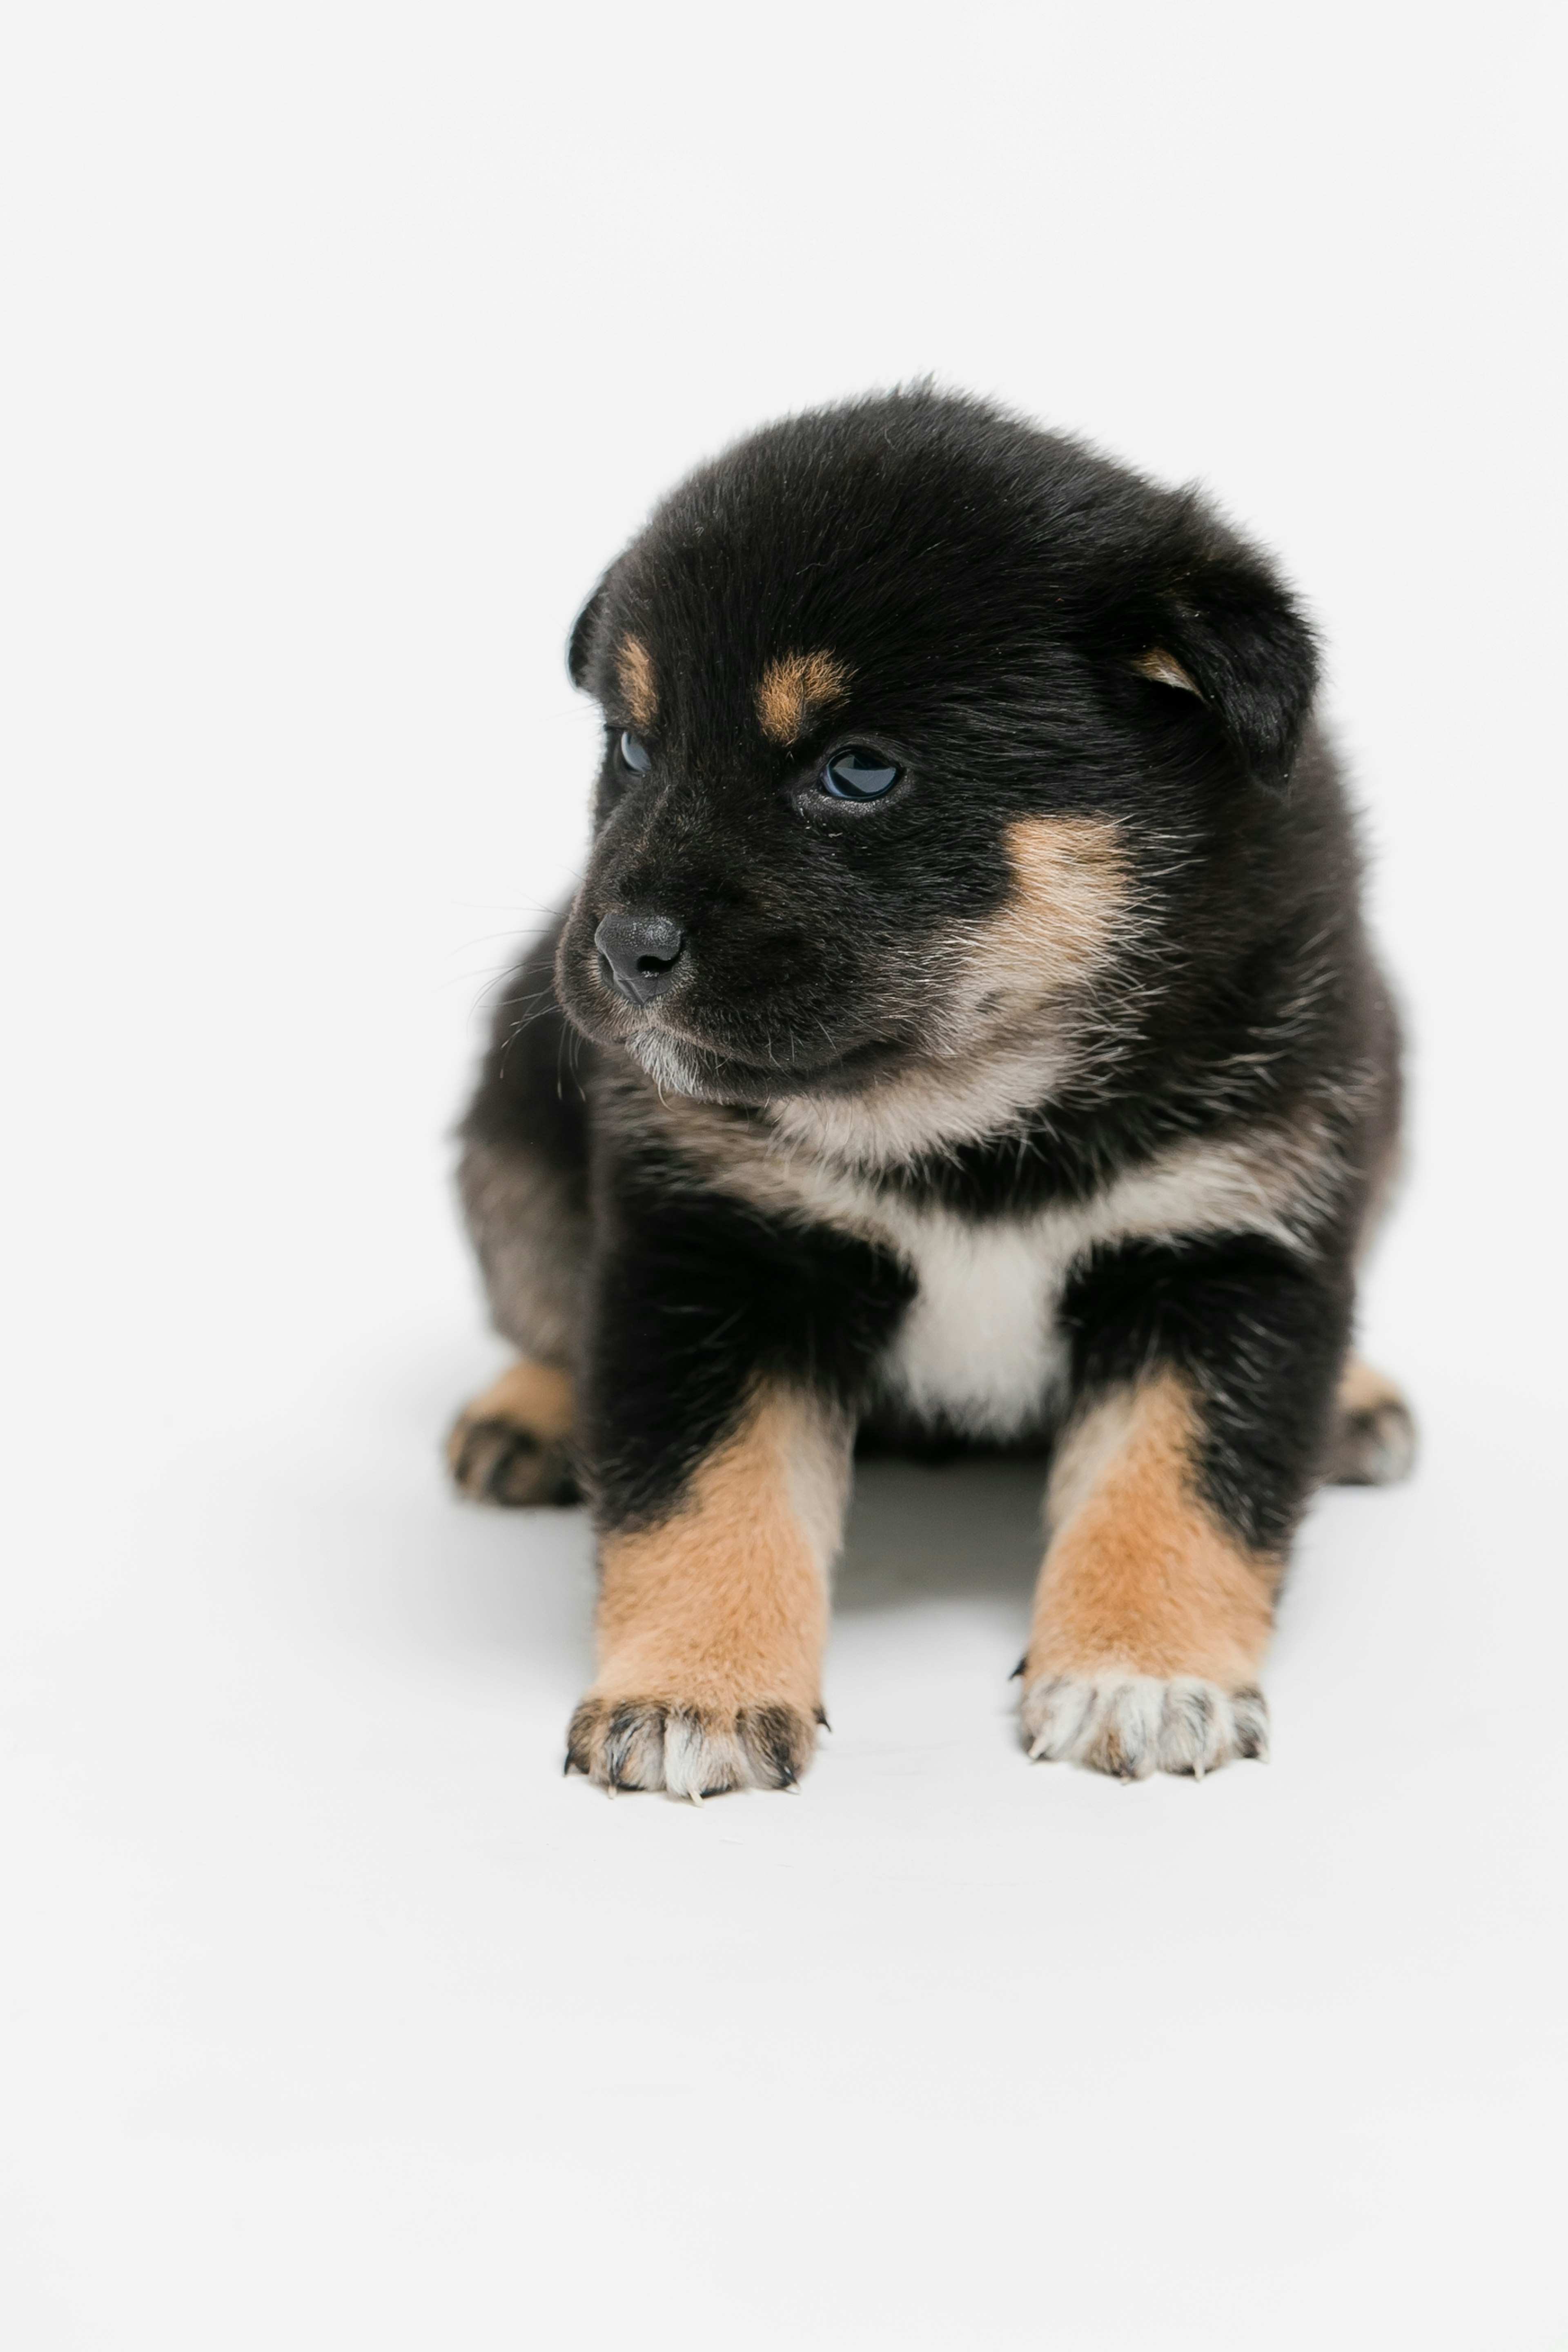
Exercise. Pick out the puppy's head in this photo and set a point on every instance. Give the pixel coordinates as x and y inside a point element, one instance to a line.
<point>897,698</point>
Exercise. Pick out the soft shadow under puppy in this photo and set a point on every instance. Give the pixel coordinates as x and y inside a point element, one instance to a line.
<point>920,1531</point>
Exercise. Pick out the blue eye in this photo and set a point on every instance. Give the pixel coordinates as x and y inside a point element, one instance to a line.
<point>638,758</point>
<point>858,775</point>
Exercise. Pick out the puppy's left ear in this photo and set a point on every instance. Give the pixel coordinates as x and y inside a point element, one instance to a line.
<point>1226,631</point>
<point>585,629</point>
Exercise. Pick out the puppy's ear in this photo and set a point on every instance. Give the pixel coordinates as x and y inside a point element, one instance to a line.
<point>585,629</point>
<point>1226,631</point>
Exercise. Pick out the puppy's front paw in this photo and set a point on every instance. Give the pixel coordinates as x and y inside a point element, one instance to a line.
<point>690,1750</point>
<point>1133,1725</point>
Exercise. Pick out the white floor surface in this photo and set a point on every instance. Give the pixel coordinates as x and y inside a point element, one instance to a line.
<point>346,2018</point>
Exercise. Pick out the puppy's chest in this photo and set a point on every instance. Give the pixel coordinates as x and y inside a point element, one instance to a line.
<point>981,1349</point>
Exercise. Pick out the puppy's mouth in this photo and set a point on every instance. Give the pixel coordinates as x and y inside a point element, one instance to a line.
<point>680,1064</point>
<point>717,1051</point>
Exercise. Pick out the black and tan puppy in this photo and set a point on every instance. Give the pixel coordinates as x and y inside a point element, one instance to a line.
<point>964,1033</point>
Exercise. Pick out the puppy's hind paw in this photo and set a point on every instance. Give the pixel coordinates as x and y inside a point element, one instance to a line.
<point>688,1750</point>
<point>512,1445</point>
<point>1133,1725</point>
<point>1372,1440</point>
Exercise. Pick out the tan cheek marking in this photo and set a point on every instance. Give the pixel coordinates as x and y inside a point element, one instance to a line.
<point>634,668</point>
<point>1165,670</point>
<point>795,688</point>
<point>1140,1578</point>
<point>1071,887</point>
<point>725,1603</point>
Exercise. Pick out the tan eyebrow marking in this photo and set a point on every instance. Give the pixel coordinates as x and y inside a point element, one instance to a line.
<point>1165,670</point>
<point>795,687</point>
<point>634,668</point>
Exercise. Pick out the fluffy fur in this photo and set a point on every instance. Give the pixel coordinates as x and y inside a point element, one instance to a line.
<point>1040,1101</point>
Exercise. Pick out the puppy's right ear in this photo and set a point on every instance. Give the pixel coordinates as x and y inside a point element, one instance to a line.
<point>1220,624</point>
<point>585,630</point>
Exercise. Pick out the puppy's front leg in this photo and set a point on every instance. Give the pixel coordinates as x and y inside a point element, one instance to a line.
<point>1206,1382</point>
<point>714,1612</point>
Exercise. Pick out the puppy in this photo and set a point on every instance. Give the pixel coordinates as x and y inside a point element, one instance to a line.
<point>964,1035</point>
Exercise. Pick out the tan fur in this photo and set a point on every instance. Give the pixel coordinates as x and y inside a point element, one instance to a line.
<point>794,688</point>
<point>1165,670</point>
<point>1070,889</point>
<point>1140,1578</point>
<point>634,668</point>
<point>513,1444</point>
<point>1364,1389</point>
<point>724,1604</point>
<point>535,1397</point>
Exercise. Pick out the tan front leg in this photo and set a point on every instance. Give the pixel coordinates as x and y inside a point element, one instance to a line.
<point>712,1623</point>
<point>1151,1618</point>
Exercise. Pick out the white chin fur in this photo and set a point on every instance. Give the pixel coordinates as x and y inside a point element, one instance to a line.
<point>670,1065</point>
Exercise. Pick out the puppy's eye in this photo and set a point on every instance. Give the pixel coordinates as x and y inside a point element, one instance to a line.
<point>638,758</point>
<point>858,775</point>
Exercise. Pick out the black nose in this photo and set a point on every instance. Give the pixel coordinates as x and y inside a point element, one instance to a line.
<point>639,954</point>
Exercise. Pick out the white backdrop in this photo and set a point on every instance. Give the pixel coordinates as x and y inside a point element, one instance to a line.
<point>346,344</point>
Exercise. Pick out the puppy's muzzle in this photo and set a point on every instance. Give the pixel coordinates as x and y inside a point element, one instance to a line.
<point>639,955</point>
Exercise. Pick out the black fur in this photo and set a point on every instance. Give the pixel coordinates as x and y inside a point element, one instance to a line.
<point>686,1283</point>
<point>1261,1334</point>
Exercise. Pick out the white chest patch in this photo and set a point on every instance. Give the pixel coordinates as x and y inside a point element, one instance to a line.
<point>979,1347</point>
